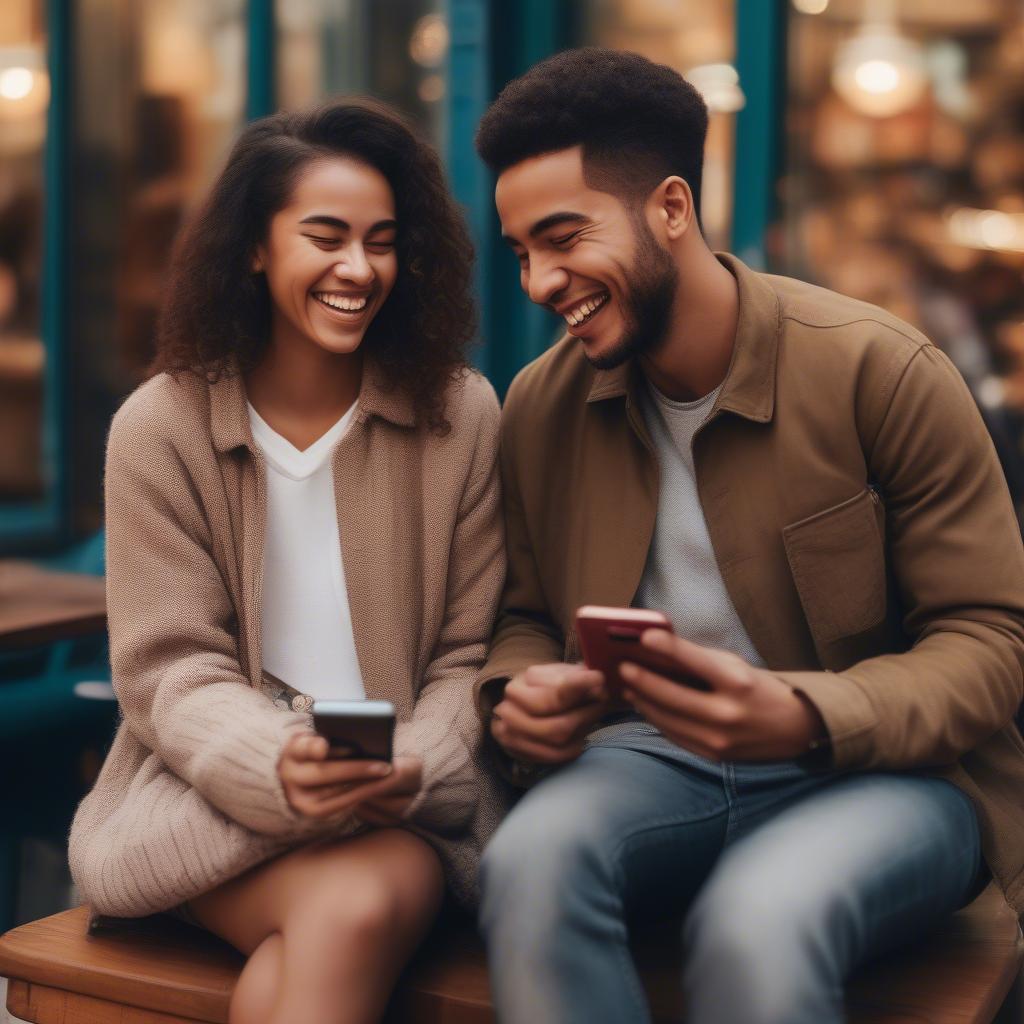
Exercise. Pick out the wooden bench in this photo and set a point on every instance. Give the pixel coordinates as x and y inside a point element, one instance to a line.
<point>158,971</point>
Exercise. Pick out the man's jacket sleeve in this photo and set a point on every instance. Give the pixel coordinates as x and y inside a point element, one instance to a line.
<point>956,555</point>
<point>525,633</point>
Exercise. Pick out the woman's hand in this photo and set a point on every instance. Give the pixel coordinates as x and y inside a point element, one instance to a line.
<point>320,788</point>
<point>392,808</point>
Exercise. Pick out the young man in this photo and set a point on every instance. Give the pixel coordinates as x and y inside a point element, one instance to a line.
<point>802,482</point>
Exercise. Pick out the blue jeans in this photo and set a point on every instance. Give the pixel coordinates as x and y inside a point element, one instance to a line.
<point>785,881</point>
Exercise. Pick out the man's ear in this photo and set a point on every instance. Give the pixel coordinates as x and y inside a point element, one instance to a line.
<point>675,206</point>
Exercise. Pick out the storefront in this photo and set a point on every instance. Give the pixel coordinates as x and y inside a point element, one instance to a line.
<point>875,147</point>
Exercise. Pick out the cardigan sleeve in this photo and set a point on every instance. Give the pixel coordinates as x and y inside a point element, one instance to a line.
<point>444,731</point>
<point>525,633</point>
<point>173,631</point>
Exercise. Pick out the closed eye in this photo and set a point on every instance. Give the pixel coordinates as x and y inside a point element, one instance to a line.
<point>565,239</point>
<point>322,240</point>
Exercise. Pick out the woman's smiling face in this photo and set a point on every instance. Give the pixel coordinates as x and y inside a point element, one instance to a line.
<point>329,256</point>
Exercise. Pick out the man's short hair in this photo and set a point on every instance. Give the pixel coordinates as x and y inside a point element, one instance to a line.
<point>638,122</point>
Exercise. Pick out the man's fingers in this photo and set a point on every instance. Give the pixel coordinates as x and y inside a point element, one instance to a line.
<point>525,749</point>
<point>548,710</point>
<point>672,697</point>
<point>561,675</point>
<point>718,668</point>
<point>551,730</point>
<point>553,698</point>
<point>694,736</point>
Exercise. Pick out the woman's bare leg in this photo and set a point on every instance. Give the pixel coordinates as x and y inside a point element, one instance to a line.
<point>259,985</point>
<point>344,918</point>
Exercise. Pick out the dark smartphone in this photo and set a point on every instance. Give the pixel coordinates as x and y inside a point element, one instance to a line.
<point>356,729</point>
<point>610,636</point>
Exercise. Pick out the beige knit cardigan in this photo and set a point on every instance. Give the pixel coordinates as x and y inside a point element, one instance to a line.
<point>189,795</point>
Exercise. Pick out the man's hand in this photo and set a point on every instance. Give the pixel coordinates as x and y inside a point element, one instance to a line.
<point>547,711</point>
<point>320,788</point>
<point>746,714</point>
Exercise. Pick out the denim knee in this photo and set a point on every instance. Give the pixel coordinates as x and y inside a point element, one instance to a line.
<point>550,864</point>
<point>756,955</point>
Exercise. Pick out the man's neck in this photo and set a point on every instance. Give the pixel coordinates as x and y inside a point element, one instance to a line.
<point>694,358</point>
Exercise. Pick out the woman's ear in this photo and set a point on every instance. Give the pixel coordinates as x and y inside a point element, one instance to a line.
<point>257,261</point>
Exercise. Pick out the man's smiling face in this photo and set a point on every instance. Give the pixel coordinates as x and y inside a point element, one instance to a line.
<point>584,256</point>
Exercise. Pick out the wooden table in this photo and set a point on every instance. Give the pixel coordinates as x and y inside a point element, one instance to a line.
<point>38,606</point>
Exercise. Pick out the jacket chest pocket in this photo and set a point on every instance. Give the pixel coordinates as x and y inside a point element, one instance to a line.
<point>837,558</point>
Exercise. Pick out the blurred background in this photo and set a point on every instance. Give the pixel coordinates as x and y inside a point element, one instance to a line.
<point>872,146</point>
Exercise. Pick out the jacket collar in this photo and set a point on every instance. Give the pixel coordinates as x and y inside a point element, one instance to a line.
<point>749,388</point>
<point>229,417</point>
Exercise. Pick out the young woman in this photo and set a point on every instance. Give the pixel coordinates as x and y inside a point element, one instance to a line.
<point>302,503</point>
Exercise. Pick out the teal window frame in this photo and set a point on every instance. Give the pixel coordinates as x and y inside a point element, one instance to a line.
<point>31,525</point>
<point>261,84</point>
<point>761,63</point>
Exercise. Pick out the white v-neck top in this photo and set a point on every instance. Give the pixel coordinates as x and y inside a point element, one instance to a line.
<point>305,620</point>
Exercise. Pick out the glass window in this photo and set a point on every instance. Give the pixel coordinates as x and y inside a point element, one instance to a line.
<point>160,94</point>
<point>904,179</point>
<point>24,99</point>
<point>697,38</point>
<point>392,49</point>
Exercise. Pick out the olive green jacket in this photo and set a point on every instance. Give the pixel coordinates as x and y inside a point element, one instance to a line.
<point>859,518</point>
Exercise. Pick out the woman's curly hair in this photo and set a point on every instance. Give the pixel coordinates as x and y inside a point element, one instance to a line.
<point>216,313</point>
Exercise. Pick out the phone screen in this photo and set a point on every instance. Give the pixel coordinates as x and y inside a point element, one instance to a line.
<point>356,729</point>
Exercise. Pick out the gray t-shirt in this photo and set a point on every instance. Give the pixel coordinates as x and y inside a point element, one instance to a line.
<point>681,577</point>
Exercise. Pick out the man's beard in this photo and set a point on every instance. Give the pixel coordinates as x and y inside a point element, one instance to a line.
<point>652,282</point>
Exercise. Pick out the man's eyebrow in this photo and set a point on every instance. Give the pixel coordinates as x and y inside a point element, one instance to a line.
<point>343,225</point>
<point>556,219</point>
<point>550,221</point>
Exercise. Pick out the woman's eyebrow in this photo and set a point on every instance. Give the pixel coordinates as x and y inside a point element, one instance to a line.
<point>327,222</point>
<point>343,225</point>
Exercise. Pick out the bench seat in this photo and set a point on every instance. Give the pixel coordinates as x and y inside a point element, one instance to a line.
<point>161,971</point>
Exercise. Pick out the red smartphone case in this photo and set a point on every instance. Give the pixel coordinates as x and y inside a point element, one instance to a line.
<point>610,636</point>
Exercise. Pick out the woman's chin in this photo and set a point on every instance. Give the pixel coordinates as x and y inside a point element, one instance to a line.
<point>340,343</point>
